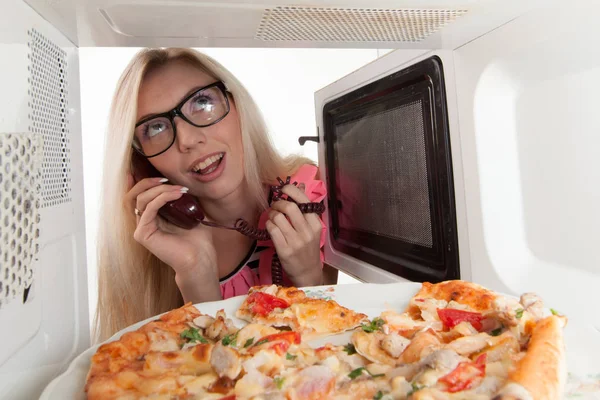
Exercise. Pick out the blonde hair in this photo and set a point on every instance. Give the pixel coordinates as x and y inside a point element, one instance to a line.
<point>132,283</point>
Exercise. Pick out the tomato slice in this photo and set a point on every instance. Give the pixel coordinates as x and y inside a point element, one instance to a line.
<point>281,341</point>
<point>451,317</point>
<point>463,376</point>
<point>289,336</point>
<point>280,347</point>
<point>263,303</point>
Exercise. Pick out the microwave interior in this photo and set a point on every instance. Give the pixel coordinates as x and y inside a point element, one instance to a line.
<point>468,152</point>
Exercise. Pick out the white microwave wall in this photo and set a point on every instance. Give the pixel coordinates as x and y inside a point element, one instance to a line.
<point>523,115</point>
<point>40,105</point>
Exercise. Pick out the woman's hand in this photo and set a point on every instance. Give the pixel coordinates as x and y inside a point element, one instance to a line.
<point>190,253</point>
<point>296,237</point>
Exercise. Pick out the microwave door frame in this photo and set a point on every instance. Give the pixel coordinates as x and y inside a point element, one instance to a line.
<point>413,79</point>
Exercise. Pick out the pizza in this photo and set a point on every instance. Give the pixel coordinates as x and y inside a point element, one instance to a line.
<point>455,340</point>
<point>458,340</point>
<point>289,307</point>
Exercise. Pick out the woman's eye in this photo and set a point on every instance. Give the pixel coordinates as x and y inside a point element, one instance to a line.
<point>155,128</point>
<point>202,103</point>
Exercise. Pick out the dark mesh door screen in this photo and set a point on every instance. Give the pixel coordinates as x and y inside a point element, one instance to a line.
<point>389,169</point>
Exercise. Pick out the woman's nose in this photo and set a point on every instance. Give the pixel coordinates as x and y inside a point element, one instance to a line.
<point>188,135</point>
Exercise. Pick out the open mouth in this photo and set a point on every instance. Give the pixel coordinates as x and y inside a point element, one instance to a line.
<point>208,165</point>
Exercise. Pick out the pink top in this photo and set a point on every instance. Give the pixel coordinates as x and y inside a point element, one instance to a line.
<point>255,269</point>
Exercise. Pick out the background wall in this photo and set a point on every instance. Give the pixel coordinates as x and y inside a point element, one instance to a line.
<point>282,81</point>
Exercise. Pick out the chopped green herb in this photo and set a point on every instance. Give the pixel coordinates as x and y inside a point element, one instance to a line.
<point>249,342</point>
<point>497,332</point>
<point>262,342</point>
<point>229,340</point>
<point>193,335</point>
<point>279,382</point>
<point>519,313</point>
<point>554,312</point>
<point>415,388</point>
<point>350,349</point>
<point>358,372</point>
<point>378,396</point>
<point>289,356</point>
<point>374,325</point>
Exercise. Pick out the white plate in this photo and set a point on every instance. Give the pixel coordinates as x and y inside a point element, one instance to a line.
<point>581,341</point>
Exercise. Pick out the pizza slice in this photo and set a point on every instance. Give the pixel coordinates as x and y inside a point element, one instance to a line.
<point>290,308</point>
<point>459,340</point>
<point>173,355</point>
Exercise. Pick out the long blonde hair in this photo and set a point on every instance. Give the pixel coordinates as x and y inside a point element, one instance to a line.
<point>132,283</point>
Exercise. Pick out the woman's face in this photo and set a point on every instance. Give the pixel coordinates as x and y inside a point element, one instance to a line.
<point>209,160</point>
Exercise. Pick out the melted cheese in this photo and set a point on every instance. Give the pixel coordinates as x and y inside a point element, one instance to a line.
<point>321,316</point>
<point>252,384</point>
<point>158,385</point>
<point>333,363</point>
<point>429,308</point>
<point>197,384</point>
<point>264,361</point>
<point>314,382</point>
<point>188,362</point>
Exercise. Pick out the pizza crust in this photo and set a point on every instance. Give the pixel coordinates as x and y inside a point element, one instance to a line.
<point>475,296</point>
<point>541,373</point>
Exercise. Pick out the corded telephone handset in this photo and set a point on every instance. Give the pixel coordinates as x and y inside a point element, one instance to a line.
<point>186,213</point>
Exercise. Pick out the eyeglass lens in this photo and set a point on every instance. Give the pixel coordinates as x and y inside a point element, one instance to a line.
<point>203,109</point>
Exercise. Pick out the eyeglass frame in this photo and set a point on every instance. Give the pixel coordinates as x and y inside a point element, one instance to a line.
<point>176,112</point>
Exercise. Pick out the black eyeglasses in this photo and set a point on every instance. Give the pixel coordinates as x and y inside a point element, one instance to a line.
<point>204,107</point>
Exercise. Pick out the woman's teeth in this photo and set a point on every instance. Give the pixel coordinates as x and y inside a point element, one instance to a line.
<point>209,165</point>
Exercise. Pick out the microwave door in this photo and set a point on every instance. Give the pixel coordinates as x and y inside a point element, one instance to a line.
<point>386,157</point>
<point>44,316</point>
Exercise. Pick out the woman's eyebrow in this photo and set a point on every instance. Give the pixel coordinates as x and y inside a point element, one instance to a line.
<point>182,98</point>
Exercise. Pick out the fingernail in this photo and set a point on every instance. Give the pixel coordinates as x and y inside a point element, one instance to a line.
<point>163,180</point>
<point>184,190</point>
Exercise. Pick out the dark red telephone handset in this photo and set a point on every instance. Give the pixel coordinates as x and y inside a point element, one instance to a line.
<point>186,213</point>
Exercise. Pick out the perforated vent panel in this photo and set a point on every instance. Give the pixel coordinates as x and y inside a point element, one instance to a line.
<point>383,167</point>
<point>48,104</point>
<point>20,160</point>
<point>352,24</point>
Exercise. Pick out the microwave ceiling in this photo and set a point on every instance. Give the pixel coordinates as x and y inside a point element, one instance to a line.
<point>409,24</point>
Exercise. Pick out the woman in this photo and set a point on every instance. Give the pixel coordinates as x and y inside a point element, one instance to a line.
<point>194,122</point>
